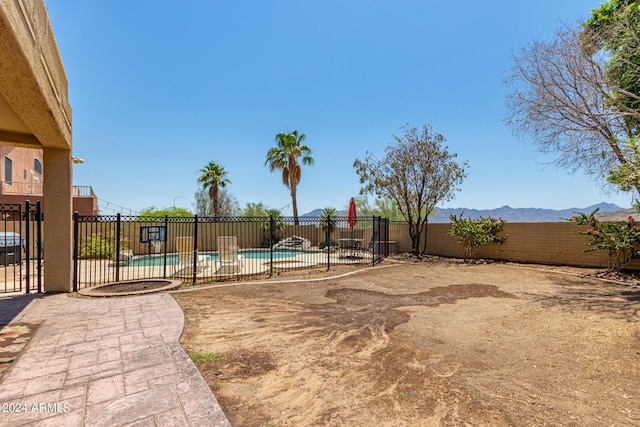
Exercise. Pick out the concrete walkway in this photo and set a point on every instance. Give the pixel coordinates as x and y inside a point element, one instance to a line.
<point>103,362</point>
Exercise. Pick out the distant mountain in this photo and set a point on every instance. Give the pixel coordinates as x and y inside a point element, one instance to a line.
<point>521,214</point>
<point>621,215</point>
<point>518,214</point>
<point>318,212</point>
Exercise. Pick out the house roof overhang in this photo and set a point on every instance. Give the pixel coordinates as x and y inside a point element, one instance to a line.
<point>34,106</point>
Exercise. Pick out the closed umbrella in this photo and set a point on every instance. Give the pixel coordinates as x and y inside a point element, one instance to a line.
<point>352,213</point>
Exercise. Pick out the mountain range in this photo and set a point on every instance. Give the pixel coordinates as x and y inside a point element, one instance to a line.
<point>441,215</point>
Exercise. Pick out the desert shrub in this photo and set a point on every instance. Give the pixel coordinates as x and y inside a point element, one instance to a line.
<point>271,230</point>
<point>101,245</point>
<point>473,233</point>
<point>620,239</point>
<point>328,221</point>
<point>333,243</point>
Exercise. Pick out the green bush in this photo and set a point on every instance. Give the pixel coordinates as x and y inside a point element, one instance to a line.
<point>101,245</point>
<point>475,233</point>
<point>334,244</point>
<point>275,229</point>
<point>620,239</point>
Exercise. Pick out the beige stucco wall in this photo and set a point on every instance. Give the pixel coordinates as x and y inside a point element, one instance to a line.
<point>35,112</point>
<point>553,243</point>
<point>58,221</point>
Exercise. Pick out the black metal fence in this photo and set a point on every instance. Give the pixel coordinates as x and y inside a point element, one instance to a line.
<point>194,249</point>
<point>21,247</point>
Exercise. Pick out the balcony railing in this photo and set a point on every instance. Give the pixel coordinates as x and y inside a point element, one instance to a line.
<point>36,189</point>
<point>83,191</point>
<point>17,188</point>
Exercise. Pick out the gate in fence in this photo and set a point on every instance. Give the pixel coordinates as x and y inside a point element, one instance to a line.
<point>21,247</point>
<point>195,249</point>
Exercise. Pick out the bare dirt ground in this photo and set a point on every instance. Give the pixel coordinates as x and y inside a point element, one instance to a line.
<point>432,343</point>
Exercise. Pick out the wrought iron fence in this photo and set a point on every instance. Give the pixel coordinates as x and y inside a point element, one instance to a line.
<point>195,249</point>
<point>21,247</point>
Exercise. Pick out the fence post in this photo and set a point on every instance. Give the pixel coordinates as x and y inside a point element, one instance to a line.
<point>327,240</point>
<point>39,243</point>
<point>195,249</point>
<point>374,237</point>
<point>166,232</point>
<point>75,251</point>
<point>117,254</point>
<point>27,237</point>
<point>386,237</point>
<point>271,227</point>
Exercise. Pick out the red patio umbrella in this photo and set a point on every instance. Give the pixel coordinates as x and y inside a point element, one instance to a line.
<point>352,213</point>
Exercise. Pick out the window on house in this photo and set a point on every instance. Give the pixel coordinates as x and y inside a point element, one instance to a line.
<point>8,170</point>
<point>37,166</point>
<point>25,174</point>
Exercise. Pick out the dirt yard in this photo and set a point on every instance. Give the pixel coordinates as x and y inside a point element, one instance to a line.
<point>434,343</point>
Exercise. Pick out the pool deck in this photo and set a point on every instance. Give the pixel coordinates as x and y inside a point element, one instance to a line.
<point>103,362</point>
<point>91,271</point>
<point>210,269</point>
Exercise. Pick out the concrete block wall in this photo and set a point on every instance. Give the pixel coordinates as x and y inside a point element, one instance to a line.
<point>554,243</point>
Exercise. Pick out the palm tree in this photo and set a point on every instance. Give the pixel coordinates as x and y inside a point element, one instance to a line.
<point>284,157</point>
<point>272,230</point>
<point>213,176</point>
<point>328,221</point>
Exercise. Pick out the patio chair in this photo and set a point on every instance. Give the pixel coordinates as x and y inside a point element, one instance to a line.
<point>231,261</point>
<point>187,258</point>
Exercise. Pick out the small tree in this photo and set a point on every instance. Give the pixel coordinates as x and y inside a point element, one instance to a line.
<point>284,157</point>
<point>416,173</point>
<point>382,206</point>
<point>620,239</point>
<point>102,245</point>
<point>472,234</point>
<point>213,177</point>
<point>153,212</point>
<point>328,222</point>
<point>255,209</point>
<point>227,203</point>
<point>272,230</point>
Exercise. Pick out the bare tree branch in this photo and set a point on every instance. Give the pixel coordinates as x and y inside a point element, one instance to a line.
<point>560,101</point>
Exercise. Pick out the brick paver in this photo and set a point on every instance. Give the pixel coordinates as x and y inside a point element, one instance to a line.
<point>103,362</point>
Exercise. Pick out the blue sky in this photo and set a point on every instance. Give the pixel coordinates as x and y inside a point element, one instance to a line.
<point>159,90</point>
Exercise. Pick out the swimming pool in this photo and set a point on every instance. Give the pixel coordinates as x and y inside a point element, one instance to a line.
<point>262,254</point>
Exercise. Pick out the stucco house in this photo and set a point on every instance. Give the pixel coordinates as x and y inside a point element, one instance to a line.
<point>35,113</point>
<point>21,179</point>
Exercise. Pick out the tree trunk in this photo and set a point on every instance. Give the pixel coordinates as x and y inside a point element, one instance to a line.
<point>294,204</point>
<point>426,234</point>
<point>415,239</point>
<point>214,200</point>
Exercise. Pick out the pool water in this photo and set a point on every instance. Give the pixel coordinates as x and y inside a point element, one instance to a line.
<point>158,260</point>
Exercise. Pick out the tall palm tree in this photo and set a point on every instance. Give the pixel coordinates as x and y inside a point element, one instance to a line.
<point>213,177</point>
<point>284,156</point>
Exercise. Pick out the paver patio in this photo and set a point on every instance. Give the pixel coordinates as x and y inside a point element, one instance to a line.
<point>103,362</point>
